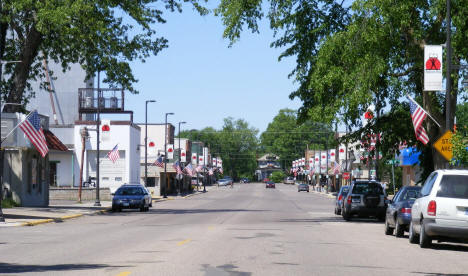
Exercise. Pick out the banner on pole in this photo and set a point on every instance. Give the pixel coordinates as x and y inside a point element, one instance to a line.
<point>433,68</point>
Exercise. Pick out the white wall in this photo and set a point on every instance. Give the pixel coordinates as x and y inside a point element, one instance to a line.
<point>155,134</point>
<point>127,167</point>
<point>65,172</point>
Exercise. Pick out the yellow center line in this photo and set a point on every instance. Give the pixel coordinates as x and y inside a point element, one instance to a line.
<point>184,242</point>
<point>125,273</point>
<point>210,227</point>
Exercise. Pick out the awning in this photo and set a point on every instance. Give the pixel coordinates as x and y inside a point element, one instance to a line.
<point>53,142</point>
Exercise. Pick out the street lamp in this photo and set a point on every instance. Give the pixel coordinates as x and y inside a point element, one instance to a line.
<point>165,156</point>
<point>146,140</point>
<point>2,219</point>
<point>178,192</point>
<point>98,123</point>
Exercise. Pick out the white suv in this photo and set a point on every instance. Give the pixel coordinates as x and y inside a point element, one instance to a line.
<point>441,210</point>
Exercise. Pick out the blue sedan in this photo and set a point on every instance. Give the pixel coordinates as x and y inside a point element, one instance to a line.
<point>398,215</point>
<point>131,196</point>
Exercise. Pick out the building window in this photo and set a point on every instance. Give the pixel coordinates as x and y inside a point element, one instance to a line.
<point>118,179</point>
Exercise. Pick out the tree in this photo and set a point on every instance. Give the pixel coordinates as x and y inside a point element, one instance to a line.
<point>87,32</point>
<point>374,55</point>
<point>287,139</point>
<point>236,143</point>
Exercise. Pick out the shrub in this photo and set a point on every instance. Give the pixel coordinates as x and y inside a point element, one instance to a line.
<point>278,176</point>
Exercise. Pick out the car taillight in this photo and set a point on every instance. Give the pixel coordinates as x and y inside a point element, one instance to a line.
<point>432,208</point>
<point>406,210</point>
<point>340,197</point>
<point>349,200</point>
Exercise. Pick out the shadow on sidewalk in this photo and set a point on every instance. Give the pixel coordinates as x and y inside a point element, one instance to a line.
<point>22,268</point>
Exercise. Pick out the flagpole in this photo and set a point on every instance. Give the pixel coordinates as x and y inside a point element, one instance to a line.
<point>429,115</point>
<point>16,127</point>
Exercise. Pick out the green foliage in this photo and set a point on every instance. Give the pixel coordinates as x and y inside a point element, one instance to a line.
<point>9,203</point>
<point>287,139</point>
<point>460,153</point>
<point>236,143</point>
<point>277,176</point>
<point>369,53</point>
<point>98,35</point>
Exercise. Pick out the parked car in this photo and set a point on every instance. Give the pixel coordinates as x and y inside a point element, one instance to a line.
<point>340,196</point>
<point>224,181</point>
<point>151,197</point>
<point>398,215</point>
<point>270,184</point>
<point>289,180</point>
<point>365,199</point>
<point>131,197</point>
<point>244,180</point>
<point>302,187</point>
<point>441,210</point>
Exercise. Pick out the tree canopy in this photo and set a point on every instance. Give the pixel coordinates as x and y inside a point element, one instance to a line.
<point>99,35</point>
<point>369,52</point>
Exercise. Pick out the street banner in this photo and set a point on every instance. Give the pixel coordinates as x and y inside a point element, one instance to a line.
<point>317,162</point>
<point>342,152</point>
<point>311,163</point>
<point>214,162</point>
<point>194,158</point>
<point>183,156</point>
<point>332,154</point>
<point>201,160</point>
<point>433,68</point>
<point>170,151</point>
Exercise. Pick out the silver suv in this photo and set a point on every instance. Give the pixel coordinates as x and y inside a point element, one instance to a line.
<point>441,210</point>
<point>366,198</point>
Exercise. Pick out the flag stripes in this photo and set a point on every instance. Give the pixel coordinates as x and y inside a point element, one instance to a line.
<point>31,126</point>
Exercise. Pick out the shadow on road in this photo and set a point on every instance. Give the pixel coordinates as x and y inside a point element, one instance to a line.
<point>180,211</point>
<point>22,268</point>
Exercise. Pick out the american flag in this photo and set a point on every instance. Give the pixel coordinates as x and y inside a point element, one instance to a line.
<point>189,169</point>
<point>113,155</point>
<point>199,168</point>
<point>337,168</point>
<point>176,166</point>
<point>418,115</point>
<point>159,162</point>
<point>31,126</point>
<point>221,170</point>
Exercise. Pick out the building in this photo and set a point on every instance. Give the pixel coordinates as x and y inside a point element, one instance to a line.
<point>266,165</point>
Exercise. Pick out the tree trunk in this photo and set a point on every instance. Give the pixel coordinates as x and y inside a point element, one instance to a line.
<point>29,52</point>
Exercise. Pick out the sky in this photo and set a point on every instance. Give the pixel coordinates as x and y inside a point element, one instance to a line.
<point>203,81</point>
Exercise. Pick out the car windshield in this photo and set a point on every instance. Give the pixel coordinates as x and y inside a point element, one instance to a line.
<point>453,186</point>
<point>366,188</point>
<point>130,191</point>
<point>411,194</point>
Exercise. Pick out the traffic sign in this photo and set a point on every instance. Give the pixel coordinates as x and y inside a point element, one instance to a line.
<point>444,145</point>
<point>346,175</point>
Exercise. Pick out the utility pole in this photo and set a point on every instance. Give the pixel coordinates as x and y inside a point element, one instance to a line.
<point>165,156</point>
<point>98,123</point>
<point>448,85</point>
<point>146,140</point>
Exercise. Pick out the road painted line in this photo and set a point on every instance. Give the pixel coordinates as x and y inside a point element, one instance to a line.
<point>125,273</point>
<point>184,242</point>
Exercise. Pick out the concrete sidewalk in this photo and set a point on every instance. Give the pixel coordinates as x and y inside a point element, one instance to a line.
<point>61,210</point>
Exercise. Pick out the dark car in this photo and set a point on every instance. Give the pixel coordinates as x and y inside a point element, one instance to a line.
<point>302,187</point>
<point>340,199</point>
<point>398,215</point>
<point>270,184</point>
<point>131,197</point>
<point>366,198</point>
<point>244,180</point>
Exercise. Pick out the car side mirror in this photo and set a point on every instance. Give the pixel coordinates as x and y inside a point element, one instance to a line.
<point>112,193</point>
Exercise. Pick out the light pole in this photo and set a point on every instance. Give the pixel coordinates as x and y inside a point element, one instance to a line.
<point>2,219</point>
<point>180,151</point>
<point>98,123</point>
<point>146,140</point>
<point>165,156</point>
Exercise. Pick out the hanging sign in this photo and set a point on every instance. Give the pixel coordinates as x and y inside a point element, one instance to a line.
<point>433,68</point>
<point>170,151</point>
<point>194,158</point>
<point>183,156</point>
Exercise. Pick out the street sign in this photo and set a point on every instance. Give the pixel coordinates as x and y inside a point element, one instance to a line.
<point>346,175</point>
<point>444,145</point>
<point>433,68</point>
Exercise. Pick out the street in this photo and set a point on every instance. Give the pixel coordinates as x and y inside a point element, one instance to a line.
<point>246,230</point>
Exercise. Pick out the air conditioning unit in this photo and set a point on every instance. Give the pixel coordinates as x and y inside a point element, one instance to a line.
<point>88,102</point>
<point>114,102</point>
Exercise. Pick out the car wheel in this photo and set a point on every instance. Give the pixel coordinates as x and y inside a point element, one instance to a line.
<point>412,236</point>
<point>388,229</point>
<point>114,208</point>
<point>399,230</point>
<point>151,203</point>
<point>424,240</point>
<point>346,216</point>
<point>336,211</point>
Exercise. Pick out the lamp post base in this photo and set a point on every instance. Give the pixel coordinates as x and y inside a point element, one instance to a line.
<point>97,203</point>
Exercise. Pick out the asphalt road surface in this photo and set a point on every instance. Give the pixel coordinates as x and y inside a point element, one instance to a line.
<point>246,230</point>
